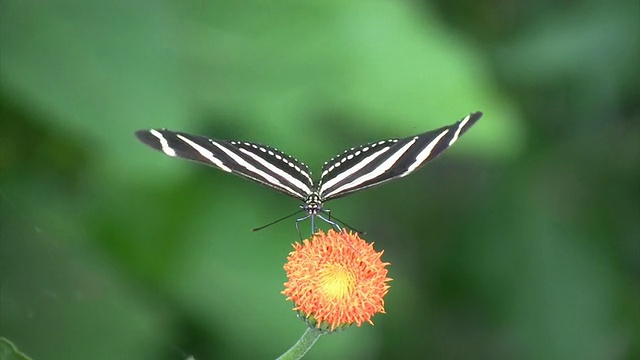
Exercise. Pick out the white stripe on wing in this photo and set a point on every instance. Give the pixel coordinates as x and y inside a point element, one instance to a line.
<point>163,143</point>
<point>424,154</point>
<point>355,168</point>
<point>277,171</point>
<point>378,171</point>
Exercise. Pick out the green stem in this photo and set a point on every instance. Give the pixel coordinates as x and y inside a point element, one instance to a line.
<point>303,345</point>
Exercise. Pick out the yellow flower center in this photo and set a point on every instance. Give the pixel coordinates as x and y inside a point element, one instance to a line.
<point>335,281</point>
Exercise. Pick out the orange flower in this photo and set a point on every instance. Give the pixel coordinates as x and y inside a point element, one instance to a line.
<point>335,280</point>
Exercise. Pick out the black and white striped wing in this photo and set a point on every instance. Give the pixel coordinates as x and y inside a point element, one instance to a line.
<point>377,162</point>
<point>265,165</point>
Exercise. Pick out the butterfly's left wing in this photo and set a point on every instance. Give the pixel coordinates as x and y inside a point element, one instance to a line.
<point>263,164</point>
<point>377,162</point>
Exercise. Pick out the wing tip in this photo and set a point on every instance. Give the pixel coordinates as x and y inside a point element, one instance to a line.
<point>151,137</point>
<point>475,116</point>
<point>469,120</point>
<point>146,136</point>
<point>142,134</point>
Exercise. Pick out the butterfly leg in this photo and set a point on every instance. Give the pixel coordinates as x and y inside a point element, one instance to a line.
<point>311,218</point>
<point>334,224</point>
<point>298,229</point>
<point>338,221</point>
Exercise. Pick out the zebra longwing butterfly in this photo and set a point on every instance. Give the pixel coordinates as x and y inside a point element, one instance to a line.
<point>355,169</point>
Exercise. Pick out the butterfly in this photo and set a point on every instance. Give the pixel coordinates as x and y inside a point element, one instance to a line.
<point>355,169</point>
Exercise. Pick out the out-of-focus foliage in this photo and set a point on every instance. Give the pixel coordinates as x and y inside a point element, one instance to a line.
<point>8,351</point>
<point>521,242</point>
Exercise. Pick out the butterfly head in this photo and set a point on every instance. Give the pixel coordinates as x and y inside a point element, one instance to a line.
<point>312,204</point>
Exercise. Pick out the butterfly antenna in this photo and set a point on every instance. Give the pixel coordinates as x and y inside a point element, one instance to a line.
<point>275,222</point>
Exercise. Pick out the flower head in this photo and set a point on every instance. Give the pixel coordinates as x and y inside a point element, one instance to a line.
<point>336,279</point>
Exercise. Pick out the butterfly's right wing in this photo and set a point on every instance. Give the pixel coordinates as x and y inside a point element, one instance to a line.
<point>265,165</point>
<point>375,163</point>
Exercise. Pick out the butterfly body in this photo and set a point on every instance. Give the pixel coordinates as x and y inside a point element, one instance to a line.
<point>355,169</point>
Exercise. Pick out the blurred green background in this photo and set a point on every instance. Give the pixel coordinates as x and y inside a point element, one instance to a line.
<point>521,242</point>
